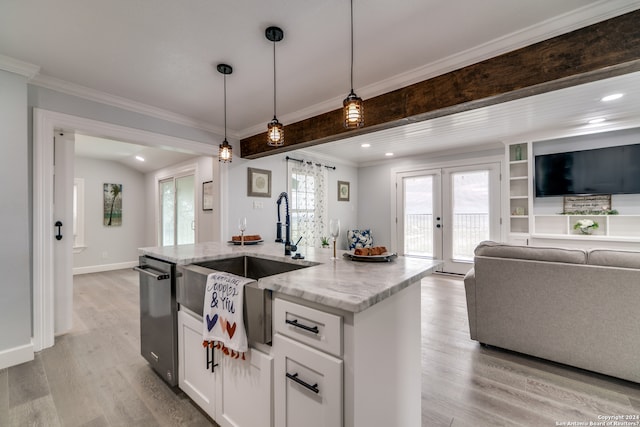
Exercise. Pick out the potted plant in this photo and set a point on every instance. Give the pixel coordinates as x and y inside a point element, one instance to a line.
<point>586,226</point>
<point>325,242</point>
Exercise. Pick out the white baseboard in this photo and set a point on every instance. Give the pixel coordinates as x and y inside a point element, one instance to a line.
<point>104,267</point>
<point>15,356</point>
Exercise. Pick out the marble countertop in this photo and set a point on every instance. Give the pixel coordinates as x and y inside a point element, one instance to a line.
<point>349,285</point>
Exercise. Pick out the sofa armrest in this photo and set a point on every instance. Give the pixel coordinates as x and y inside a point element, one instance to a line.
<point>470,291</point>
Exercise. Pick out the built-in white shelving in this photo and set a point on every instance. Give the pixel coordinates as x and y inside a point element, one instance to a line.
<point>610,227</point>
<point>519,188</point>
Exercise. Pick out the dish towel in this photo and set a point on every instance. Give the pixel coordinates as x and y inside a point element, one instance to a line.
<point>222,314</point>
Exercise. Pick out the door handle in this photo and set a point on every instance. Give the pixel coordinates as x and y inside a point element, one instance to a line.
<point>59,225</point>
<point>158,275</point>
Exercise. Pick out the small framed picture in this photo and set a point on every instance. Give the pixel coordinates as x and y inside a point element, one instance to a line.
<point>207,196</point>
<point>343,191</point>
<point>258,183</point>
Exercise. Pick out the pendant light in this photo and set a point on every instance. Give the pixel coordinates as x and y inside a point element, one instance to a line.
<point>353,108</point>
<point>275,130</point>
<point>225,152</point>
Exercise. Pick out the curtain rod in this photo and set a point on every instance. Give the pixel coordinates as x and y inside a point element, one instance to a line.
<point>309,163</point>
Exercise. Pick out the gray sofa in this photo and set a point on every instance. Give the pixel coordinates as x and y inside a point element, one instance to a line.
<point>580,308</point>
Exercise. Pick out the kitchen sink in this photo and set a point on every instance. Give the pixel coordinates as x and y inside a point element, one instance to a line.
<point>192,280</point>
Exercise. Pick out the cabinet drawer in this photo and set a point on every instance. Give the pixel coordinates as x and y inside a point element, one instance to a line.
<point>310,326</point>
<point>307,386</point>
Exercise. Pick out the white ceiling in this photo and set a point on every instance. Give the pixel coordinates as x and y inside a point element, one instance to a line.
<point>125,153</point>
<point>159,56</point>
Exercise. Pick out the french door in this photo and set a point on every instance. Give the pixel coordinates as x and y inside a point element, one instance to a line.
<point>444,213</point>
<point>177,210</point>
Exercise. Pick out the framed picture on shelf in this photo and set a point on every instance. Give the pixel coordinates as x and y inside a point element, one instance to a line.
<point>258,183</point>
<point>343,191</point>
<point>207,196</point>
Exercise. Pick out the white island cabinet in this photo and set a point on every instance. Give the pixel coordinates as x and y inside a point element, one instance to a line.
<point>308,375</point>
<point>236,393</point>
<point>346,344</point>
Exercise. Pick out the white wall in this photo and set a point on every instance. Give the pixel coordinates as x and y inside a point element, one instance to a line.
<point>375,197</point>
<point>15,288</point>
<point>626,204</point>
<point>262,220</point>
<point>106,246</point>
<point>206,221</point>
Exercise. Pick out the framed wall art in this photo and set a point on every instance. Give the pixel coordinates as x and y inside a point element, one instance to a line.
<point>207,196</point>
<point>112,205</point>
<point>343,191</point>
<point>258,183</point>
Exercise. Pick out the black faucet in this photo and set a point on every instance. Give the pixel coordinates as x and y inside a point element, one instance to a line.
<point>287,242</point>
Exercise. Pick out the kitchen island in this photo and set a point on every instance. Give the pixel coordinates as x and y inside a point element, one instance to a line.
<point>346,341</point>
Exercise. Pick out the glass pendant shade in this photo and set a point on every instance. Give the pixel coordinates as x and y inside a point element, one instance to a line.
<point>353,111</point>
<point>275,133</point>
<point>225,152</point>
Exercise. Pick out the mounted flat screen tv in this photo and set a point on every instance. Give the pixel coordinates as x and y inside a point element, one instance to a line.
<point>613,170</point>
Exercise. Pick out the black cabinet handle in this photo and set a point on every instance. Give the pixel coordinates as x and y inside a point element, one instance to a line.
<point>59,226</point>
<point>313,388</point>
<point>211,362</point>
<point>295,323</point>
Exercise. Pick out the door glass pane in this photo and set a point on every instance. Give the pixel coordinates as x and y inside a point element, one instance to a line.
<point>167,212</point>
<point>470,212</point>
<point>185,212</point>
<point>418,216</point>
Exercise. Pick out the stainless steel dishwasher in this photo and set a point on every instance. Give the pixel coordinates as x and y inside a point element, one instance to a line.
<point>158,317</point>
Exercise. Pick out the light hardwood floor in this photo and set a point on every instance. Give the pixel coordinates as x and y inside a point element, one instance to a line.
<point>94,376</point>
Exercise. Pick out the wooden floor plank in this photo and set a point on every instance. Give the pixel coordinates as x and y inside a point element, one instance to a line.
<point>27,382</point>
<point>4,397</point>
<point>39,412</point>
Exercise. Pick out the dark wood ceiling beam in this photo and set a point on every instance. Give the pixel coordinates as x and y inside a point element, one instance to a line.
<point>602,50</point>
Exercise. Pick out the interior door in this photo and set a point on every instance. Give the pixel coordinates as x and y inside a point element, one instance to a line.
<point>63,230</point>
<point>444,213</point>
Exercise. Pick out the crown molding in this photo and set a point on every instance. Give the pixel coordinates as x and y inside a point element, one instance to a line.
<point>558,25</point>
<point>19,67</point>
<point>90,94</point>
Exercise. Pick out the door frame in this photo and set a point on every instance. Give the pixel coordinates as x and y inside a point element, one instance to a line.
<point>396,171</point>
<point>45,123</point>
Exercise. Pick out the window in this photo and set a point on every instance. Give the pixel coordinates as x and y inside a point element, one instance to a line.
<point>308,189</point>
<point>78,214</point>
<point>177,210</point>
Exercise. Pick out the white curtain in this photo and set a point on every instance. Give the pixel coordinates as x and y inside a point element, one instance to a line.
<point>308,199</point>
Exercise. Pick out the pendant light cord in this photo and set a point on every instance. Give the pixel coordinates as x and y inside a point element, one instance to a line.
<point>225,106</point>
<point>274,79</point>
<point>352,46</point>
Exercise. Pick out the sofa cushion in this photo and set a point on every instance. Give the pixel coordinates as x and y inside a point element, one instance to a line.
<point>614,258</point>
<point>533,253</point>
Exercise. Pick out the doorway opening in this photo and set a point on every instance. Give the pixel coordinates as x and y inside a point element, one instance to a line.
<point>46,281</point>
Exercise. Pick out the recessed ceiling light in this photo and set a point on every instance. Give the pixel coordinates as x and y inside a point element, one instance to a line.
<point>596,121</point>
<point>140,158</point>
<point>365,145</point>
<point>612,97</point>
<point>388,154</point>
